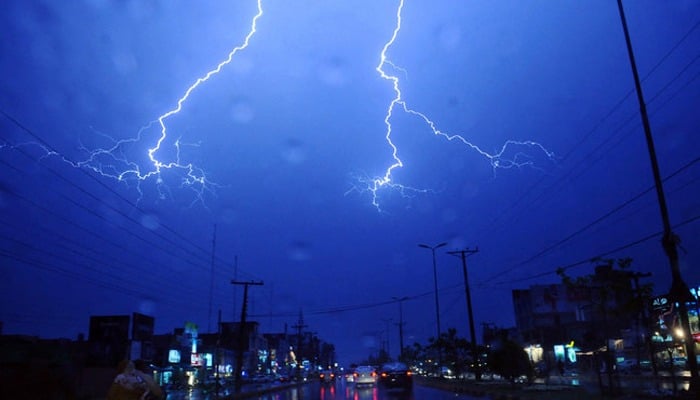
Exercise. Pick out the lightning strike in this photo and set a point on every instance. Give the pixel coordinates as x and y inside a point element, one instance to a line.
<point>193,175</point>
<point>112,161</point>
<point>497,159</point>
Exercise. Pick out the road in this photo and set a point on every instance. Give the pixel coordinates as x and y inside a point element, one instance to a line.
<point>338,391</point>
<point>341,390</point>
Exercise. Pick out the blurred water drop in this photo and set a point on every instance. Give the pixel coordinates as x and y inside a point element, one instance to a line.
<point>449,215</point>
<point>228,216</point>
<point>449,37</point>
<point>242,112</point>
<point>294,152</point>
<point>124,62</point>
<point>299,251</point>
<point>332,73</point>
<point>150,221</point>
<point>147,307</point>
<point>5,193</point>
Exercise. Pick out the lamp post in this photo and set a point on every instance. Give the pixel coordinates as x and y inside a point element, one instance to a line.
<point>437,301</point>
<point>400,300</point>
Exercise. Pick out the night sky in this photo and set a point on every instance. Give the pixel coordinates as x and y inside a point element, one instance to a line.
<point>285,154</point>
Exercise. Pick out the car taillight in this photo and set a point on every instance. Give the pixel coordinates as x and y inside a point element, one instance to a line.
<point>321,376</point>
<point>332,375</point>
<point>384,374</point>
<point>374,373</point>
<point>409,373</point>
<point>355,374</point>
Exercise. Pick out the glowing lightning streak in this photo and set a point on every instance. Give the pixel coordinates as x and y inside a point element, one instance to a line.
<point>191,174</point>
<point>386,179</point>
<point>115,150</point>
<point>496,159</point>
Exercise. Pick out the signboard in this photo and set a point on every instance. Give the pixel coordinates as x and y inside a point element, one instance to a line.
<point>196,360</point>
<point>174,356</point>
<point>661,303</point>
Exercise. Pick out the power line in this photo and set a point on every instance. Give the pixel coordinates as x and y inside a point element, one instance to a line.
<point>600,255</point>
<point>591,224</point>
<point>599,124</point>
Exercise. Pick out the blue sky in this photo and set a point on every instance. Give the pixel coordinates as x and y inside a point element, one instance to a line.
<point>290,133</point>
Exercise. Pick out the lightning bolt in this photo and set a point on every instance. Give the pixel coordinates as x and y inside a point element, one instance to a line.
<point>193,176</point>
<point>112,160</point>
<point>497,159</point>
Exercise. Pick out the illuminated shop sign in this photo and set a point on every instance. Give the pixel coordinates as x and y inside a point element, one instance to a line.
<point>174,356</point>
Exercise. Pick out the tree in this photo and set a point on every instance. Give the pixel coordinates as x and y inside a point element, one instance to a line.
<point>456,351</point>
<point>509,359</point>
<point>614,303</point>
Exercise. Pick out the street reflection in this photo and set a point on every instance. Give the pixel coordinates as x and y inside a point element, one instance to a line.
<point>361,392</point>
<point>327,392</point>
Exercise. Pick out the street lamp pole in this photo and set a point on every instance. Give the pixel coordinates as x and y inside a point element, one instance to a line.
<point>437,301</point>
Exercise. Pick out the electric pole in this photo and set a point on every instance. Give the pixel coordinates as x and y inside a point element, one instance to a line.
<point>475,354</point>
<point>680,292</point>
<point>242,331</point>
<point>400,324</point>
<point>387,346</point>
<point>211,279</point>
<point>299,326</point>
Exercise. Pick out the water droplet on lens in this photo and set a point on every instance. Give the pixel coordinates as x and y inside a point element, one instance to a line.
<point>150,221</point>
<point>242,112</point>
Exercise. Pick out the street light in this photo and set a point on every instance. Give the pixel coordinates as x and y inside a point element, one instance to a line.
<point>400,300</point>
<point>437,301</point>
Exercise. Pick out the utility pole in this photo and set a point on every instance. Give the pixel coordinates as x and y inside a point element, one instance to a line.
<point>299,326</point>
<point>211,280</point>
<point>242,331</point>
<point>235,292</point>
<point>217,355</point>
<point>387,321</point>
<point>475,354</point>
<point>400,324</point>
<point>679,289</point>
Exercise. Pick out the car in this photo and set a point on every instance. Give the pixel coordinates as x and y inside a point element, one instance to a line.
<point>365,375</point>
<point>396,375</point>
<point>350,376</point>
<point>326,376</point>
<point>628,366</point>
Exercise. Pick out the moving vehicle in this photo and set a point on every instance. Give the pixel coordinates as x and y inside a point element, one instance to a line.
<point>326,376</point>
<point>396,375</point>
<point>350,376</point>
<point>365,375</point>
